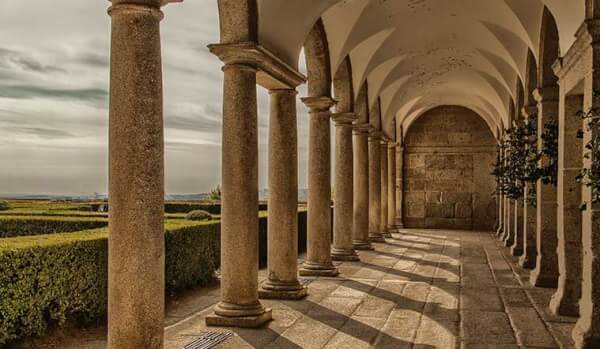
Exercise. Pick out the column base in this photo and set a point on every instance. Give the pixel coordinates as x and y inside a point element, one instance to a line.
<point>316,269</point>
<point>362,245</point>
<point>561,307</point>
<point>280,290</point>
<point>583,335</point>
<point>387,233</point>
<point>376,237</point>
<point>543,281</point>
<point>527,262</point>
<point>235,315</point>
<point>342,254</point>
<point>516,251</point>
<point>508,242</point>
<point>499,231</point>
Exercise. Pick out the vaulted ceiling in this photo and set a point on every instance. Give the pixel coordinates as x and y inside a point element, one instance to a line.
<point>419,54</point>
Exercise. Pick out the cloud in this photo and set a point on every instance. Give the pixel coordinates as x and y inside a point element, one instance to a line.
<point>28,92</point>
<point>42,132</point>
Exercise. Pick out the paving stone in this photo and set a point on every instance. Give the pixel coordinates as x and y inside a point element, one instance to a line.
<point>375,307</point>
<point>486,327</point>
<point>357,332</point>
<point>515,297</point>
<point>437,334</point>
<point>486,298</point>
<point>530,329</point>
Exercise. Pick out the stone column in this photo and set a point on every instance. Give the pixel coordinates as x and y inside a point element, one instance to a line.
<point>239,305</point>
<point>360,227</point>
<point>587,330</point>
<point>509,238</point>
<point>342,249</point>
<point>527,260</point>
<point>400,187</point>
<point>391,176</point>
<point>136,245</point>
<point>545,273</point>
<point>384,190</point>
<point>282,226</point>
<point>516,249</point>
<point>570,161</point>
<point>318,253</point>
<point>375,187</point>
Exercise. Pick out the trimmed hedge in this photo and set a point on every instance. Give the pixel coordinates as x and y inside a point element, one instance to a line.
<point>13,226</point>
<point>212,208</point>
<point>48,280</point>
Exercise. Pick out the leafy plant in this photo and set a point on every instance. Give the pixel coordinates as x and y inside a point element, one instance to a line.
<point>215,194</point>
<point>590,176</point>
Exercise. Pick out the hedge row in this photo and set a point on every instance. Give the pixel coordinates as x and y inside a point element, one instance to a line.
<point>47,280</point>
<point>12,226</point>
<point>212,208</point>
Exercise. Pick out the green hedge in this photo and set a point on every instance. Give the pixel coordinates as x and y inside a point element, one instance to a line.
<point>13,226</point>
<point>212,208</point>
<point>47,280</point>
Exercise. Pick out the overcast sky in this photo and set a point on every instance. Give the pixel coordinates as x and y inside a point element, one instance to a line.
<point>54,105</point>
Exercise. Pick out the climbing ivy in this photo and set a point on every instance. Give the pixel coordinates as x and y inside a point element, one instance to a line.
<point>590,176</point>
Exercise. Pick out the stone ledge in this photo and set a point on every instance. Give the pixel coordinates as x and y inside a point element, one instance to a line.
<point>242,321</point>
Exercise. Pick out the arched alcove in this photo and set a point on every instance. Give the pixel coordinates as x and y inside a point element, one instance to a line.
<point>449,153</point>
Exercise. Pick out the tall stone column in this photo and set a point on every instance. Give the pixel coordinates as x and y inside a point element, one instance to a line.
<point>570,161</point>
<point>282,226</point>
<point>318,252</point>
<point>587,330</point>
<point>375,187</point>
<point>136,245</point>
<point>360,228</point>
<point>239,305</point>
<point>342,249</point>
<point>400,187</point>
<point>391,176</point>
<point>384,189</point>
<point>516,249</point>
<point>509,238</point>
<point>545,273</point>
<point>527,260</point>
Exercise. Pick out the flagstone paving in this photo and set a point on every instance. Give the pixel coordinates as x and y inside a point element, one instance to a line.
<point>423,289</point>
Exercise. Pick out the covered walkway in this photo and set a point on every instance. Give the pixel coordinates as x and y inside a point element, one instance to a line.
<point>423,289</point>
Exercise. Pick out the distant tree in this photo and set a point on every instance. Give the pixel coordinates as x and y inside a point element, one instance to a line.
<point>215,194</point>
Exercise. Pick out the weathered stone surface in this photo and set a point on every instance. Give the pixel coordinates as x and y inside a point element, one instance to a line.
<point>486,327</point>
<point>448,155</point>
<point>531,331</point>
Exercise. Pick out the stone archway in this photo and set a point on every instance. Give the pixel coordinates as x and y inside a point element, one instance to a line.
<point>448,155</point>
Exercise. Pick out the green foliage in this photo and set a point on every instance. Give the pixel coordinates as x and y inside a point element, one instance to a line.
<point>4,206</point>
<point>549,173</point>
<point>198,215</point>
<point>12,226</point>
<point>47,280</point>
<point>590,175</point>
<point>215,194</point>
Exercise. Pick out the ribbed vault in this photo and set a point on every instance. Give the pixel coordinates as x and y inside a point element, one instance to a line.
<point>419,54</point>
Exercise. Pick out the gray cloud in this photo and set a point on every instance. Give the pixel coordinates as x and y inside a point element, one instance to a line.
<point>42,132</point>
<point>27,92</point>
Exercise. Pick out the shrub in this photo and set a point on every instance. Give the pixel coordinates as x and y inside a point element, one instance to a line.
<point>198,215</point>
<point>4,206</point>
<point>13,226</point>
<point>48,279</point>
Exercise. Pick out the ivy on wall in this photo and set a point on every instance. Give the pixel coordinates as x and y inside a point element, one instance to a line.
<point>590,176</point>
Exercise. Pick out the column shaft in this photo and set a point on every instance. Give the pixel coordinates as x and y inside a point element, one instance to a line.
<point>136,242</point>
<point>318,254</point>
<point>545,273</point>
<point>360,229</point>
<point>384,190</point>
<point>528,258</point>
<point>400,188</point>
<point>570,161</point>
<point>391,215</point>
<point>282,226</point>
<point>516,248</point>
<point>342,249</point>
<point>239,305</point>
<point>375,187</point>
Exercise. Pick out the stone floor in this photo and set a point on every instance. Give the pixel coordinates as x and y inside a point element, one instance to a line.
<point>424,289</point>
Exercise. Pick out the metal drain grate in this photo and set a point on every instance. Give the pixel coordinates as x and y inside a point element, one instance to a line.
<point>209,340</point>
<point>305,281</point>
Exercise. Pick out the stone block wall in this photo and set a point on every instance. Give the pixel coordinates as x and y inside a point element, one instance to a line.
<point>448,159</point>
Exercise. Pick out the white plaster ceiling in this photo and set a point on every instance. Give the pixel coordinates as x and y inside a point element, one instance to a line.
<point>419,54</point>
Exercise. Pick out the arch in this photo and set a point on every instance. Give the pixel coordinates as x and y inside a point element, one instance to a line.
<point>531,82</point>
<point>362,104</point>
<point>316,52</point>
<point>549,50</point>
<point>342,86</point>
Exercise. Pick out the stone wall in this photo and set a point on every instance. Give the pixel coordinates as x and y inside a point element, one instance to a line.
<point>449,155</point>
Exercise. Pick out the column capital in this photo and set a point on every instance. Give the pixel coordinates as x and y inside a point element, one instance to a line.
<point>272,72</point>
<point>545,94</point>
<point>361,128</point>
<point>374,135</point>
<point>322,103</point>
<point>343,119</point>
<point>283,91</point>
